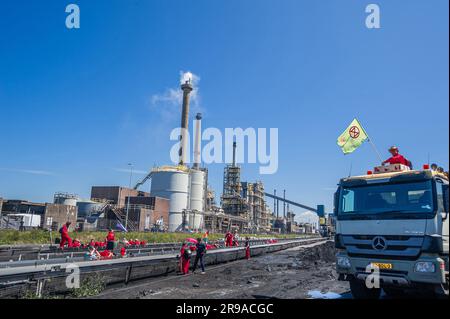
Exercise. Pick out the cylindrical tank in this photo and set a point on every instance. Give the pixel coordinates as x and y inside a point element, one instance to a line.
<point>87,207</point>
<point>172,183</point>
<point>65,199</point>
<point>197,194</point>
<point>195,220</point>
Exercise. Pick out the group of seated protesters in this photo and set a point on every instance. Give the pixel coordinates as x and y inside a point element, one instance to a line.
<point>76,243</point>
<point>135,242</point>
<point>94,254</point>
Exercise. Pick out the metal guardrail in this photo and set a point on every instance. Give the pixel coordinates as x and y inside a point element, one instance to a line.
<point>51,278</point>
<point>44,255</point>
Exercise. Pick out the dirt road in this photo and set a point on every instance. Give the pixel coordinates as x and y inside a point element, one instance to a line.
<point>301,272</point>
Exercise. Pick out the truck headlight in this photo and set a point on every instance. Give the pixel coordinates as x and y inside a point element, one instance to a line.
<point>424,266</point>
<point>343,262</point>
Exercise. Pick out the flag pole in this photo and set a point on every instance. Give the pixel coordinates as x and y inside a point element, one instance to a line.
<point>375,148</point>
<point>371,143</point>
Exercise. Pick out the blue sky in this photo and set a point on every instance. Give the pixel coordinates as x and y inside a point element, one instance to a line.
<point>76,105</point>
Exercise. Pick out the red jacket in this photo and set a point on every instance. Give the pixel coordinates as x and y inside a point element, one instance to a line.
<point>398,159</point>
<point>65,231</point>
<point>110,236</point>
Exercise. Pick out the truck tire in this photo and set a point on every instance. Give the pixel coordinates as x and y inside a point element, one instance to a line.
<point>360,291</point>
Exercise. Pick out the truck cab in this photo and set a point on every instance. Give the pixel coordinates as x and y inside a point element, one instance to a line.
<point>392,231</point>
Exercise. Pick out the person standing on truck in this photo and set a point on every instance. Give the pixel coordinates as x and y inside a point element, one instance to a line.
<point>397,158</point>
<point>110,239</point>
<point>201,251</point>
<point>65,238</point>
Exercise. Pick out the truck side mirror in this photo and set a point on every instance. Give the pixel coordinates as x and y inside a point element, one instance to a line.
<point>445,199</point>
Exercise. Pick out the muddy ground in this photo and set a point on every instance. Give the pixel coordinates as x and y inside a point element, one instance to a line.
<point>300,272</point>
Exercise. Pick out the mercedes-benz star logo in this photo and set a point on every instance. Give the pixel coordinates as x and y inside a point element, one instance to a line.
<point>379,243</point>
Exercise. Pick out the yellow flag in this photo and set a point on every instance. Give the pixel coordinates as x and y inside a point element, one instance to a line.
<point>353,136</point>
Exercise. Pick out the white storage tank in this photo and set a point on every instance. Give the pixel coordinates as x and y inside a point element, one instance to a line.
<point>66,199</point>
<point>196,198</point>
<point>195,220</point>
<point>172,183</point>
<point>88,207</point>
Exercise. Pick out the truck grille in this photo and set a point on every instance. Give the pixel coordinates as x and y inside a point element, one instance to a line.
<point>395,247</point>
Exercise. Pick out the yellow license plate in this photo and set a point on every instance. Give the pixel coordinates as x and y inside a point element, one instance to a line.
<point>382,265</point>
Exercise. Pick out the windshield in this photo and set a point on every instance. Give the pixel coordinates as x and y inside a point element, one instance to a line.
<point>387,198</point>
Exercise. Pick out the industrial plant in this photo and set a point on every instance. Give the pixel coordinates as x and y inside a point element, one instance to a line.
<point>180,199</point>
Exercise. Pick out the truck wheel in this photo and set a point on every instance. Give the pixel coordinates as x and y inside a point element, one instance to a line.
<point>360,291</point>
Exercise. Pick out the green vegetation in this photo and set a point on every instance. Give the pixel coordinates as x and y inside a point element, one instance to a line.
<point>14,237</point>
<point>90,286</point>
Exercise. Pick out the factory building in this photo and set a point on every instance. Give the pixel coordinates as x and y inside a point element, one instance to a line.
<point>115,195</point>
<point>184,188</point>
<point>58,214</point>
<point>259,212</point>
<point>20,213</point>
<point>245,200</point>
<point>116,203</point>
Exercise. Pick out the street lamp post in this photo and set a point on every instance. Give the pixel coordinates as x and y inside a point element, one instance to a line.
<point>128,201</point>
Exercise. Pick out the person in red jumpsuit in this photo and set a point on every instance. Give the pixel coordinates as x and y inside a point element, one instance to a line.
<point>106,254</point>
<point>228,239</point>
<point>396,158</point>
<point>185,258</point>
<point>247,248</point>
<point>123,252</point>
<point>110,239</point>
<point>65,238</point>
<point>76,243</point>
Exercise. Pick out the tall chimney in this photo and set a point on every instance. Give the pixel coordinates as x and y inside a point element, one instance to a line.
<point>197,147</point>
<point>234,154</point>
<point>187,89</point>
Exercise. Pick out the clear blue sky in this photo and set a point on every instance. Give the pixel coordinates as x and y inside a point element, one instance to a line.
<point>76,104</point>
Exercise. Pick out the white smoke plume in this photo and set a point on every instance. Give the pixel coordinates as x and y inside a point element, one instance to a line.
<point>189,77</point>
<point>168,103</point>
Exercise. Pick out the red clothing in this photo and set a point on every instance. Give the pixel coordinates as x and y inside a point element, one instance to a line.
<point>123,251</point>
<point>106,254</point>
<point>65,237</point>
<point>184,262</point>
<point>398,159</point>
<point>228,239</point>
<point>247,252</point>
<point>76,244</point>
<point>110,236</point>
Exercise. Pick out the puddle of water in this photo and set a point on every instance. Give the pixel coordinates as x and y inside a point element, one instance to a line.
<point>315,294</point>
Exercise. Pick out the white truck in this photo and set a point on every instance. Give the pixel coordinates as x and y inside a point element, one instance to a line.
<point>392,231</point>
